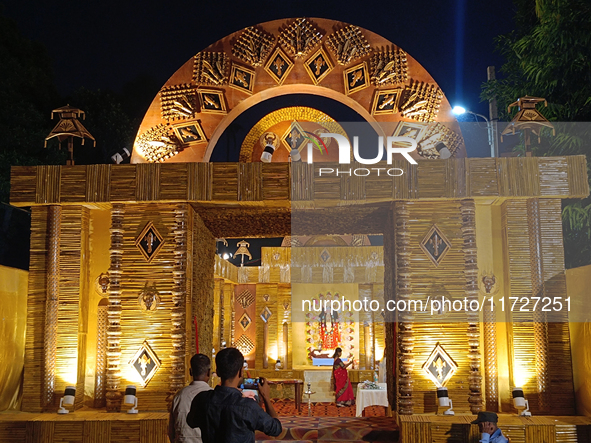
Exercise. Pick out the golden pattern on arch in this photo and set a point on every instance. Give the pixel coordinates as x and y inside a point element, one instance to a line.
<point>348,44</point>
<point>253,46</point>
<point>385,101</point>
<point>210,68</point>
<point>212,101</point>
<point>318,66</point>
<point>178,102</point>
<point>279,66</point>
<point>242,78</point>
<point>293,113</point>
<point>300,37</point>
<point>388,66</point>
<point>356,78</point>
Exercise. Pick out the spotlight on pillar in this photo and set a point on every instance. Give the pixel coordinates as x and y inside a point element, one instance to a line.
<point>120,156</point>
<point>443,151</point>
<point>295,156</point>
<point>270,146</point>
<point>444,401</point>
<point>130,399</point>
<point>520,403</point>
<point>67,399</point>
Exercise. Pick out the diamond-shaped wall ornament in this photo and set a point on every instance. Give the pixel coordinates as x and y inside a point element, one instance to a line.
<point>244,345</point>
<point>324,255</point>
<point>149,242</point>
<point>245,321</point>
<point>245,298</point>
<point>435,244</point>
<point>266,314</point>
<point>439,367</point>
<point>145,363</point>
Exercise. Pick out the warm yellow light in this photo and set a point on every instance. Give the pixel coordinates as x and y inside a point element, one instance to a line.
<point>521,376</point>
<point>69,374</point>
<point>379,353</point>
<point>130,376</point>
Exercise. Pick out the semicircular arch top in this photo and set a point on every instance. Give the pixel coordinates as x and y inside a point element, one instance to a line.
<point>348,64</point>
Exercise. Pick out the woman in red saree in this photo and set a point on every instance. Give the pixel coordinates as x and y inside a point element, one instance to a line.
<point>342,386</point>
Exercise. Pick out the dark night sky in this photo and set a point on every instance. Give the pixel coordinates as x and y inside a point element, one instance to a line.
<point>107,43</point>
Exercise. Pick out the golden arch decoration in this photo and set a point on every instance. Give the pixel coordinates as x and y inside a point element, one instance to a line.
<point>369,74</point>
<point>284,117</point>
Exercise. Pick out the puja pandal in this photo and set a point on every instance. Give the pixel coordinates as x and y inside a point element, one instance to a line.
<point>125,283</point>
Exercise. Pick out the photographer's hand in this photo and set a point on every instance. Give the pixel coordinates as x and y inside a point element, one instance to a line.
<point>265,393</point>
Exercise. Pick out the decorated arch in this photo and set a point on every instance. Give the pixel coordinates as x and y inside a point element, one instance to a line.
<point>310,70</point>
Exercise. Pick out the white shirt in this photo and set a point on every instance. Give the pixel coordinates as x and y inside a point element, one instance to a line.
<point>178,430</point>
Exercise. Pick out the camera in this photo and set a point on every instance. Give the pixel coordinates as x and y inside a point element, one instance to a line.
<point>251,383</point>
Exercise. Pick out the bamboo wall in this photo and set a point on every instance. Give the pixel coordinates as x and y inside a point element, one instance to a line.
<point>202,285</point>
<point>560,177</point>
<point>138,325</point>
<point>150,192</point>
<point>447,280</point>
<point>548,369</point>
<point>35,338</point>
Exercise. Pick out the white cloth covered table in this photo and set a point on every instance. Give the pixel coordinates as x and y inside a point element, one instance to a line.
<point>370,397</point>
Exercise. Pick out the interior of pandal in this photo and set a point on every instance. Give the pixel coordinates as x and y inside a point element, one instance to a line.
<point>125,283</point>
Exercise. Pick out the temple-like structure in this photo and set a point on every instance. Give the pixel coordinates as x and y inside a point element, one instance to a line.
<point>125,284</point>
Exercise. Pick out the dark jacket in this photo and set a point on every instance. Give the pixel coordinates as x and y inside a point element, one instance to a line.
<point>224,416</point>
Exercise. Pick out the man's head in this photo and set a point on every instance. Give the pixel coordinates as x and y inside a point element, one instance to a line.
<point>487,421</point>
<point>229,363</point>
<point>200,367</point>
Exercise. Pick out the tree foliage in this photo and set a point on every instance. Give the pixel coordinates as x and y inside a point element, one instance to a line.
<point>548,55</point>
<point>27,94</point>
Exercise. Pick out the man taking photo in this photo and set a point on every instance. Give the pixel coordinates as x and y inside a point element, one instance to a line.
<point>224,415</point>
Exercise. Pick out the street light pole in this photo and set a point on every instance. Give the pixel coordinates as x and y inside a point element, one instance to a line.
<point>458,110</point>
<point>494,115</point>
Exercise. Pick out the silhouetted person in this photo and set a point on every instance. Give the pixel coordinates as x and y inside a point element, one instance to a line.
<point>178,431</point>
<point>224,415</point>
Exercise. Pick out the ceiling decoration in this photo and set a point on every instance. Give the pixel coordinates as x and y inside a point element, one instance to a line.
<point>212,101</point>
